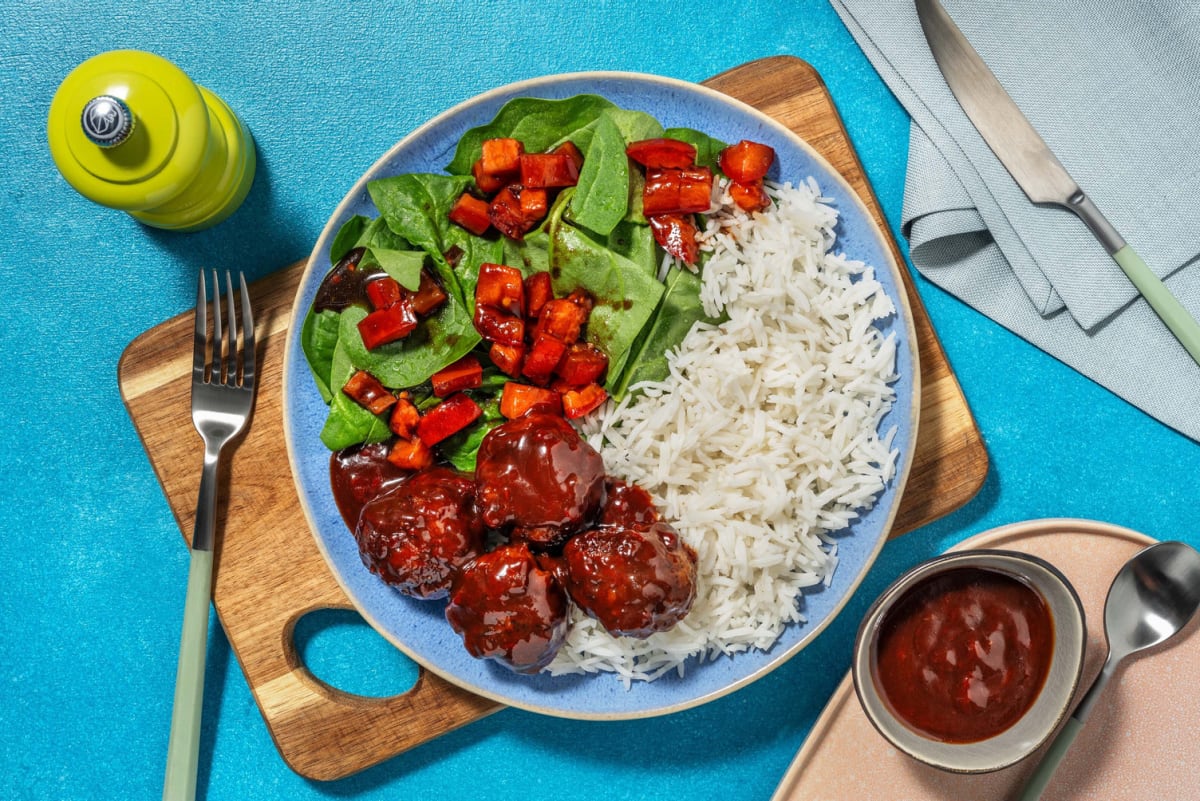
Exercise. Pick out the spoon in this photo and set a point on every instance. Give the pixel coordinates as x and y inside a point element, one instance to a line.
<point>1153,596</point>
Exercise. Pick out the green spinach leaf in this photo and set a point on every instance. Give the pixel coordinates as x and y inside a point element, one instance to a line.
<point>707,148</point>
<point>415,206</point>
<point>348,237</point>
<point>348,423</point>
<point>402,265</point>
<point>318,338</point>
<point>601,197</point>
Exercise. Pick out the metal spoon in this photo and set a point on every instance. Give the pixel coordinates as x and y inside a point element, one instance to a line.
<point>1153,596</point>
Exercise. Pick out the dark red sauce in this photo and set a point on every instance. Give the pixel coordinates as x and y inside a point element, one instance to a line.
<point>358,474</point>
<point>962,656</point>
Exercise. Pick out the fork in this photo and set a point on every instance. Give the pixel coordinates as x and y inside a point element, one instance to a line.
<point>222,398</point>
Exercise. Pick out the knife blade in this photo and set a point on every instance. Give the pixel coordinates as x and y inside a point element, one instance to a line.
<point>1034,167</point>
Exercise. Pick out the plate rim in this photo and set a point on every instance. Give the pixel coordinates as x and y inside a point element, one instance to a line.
<point>903,310</point>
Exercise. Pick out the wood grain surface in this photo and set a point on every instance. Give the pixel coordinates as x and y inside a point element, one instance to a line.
<point>324,733</point>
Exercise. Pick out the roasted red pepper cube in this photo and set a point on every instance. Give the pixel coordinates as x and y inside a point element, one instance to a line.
<point>746,162</point>
<point>387,325</point>
<point>662,153</point>
<point>548,170</point>
<point>471,213</point>
<point>570,149</point>
<point>507,358</point>
<point>749,197</point>
<point>495,325</point>
<point>518,399</point>
<point>561,319</point>
<point>501,157</point>
<point>583,299</point>
<point>365,390</point>
<point>676,234</point>
<point>447,418</point>
<point>485,181</point>
<point>543,357</point>
<point>429,295</point>
<point>466,373</point>
<point>582,364</point>
<point>677,191</point>
<point>410,454</point>
<point>534,204</point>
<point>404,417</point>
<point>383,291</point>
<point>507,214</point>
<point>538,292</point>
<point>500,287</point>
<point>578,402</point>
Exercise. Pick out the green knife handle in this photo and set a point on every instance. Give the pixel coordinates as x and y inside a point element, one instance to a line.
<point>1182,324</point>
<point>183,745</point>
<point>1033,788</point>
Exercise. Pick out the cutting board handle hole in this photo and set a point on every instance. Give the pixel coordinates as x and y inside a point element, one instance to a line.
<point>341,649</point>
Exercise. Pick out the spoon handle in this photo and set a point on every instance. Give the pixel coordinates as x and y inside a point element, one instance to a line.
<point>1045,770</point>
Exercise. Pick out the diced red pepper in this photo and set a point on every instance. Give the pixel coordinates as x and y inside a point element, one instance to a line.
<point>538,292</point>
<point>676,234</point>
<point>404,417</point>
<point>662,153</point>
<point>487,183</point>
<point>578,402</point>
<point>466,373</point>
<point>429,295</point>
<point>365,390</point>
<point>387,325</point>
<point>534,203</point>
<point>447,418</point>
<point>508,358</point>
<point>548,170</point>
<point>410,454</point>
<point>501,157</point>
<point>508,215</point>
<point>561,319</point>
<point>746,162</point>
<point>543,357</point>
<point>383,291</point>
<point>471,213</point>
<point>750,197</point>
<point>570,149</point>
<point>583,299</point>
<point>582,364</point>
<point>517,399</point>
<point>500,287</point>
<point>495,325</point>
<point>677,191</point>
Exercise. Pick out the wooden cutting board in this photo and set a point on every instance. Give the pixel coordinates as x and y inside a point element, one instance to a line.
<point>269,572</point>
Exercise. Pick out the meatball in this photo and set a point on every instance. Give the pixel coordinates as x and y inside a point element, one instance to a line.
<point>418,534</point>
<point>635,581</point>
<point>359,473</point>
<point>508,608</point>
<point>537,475</point>
<point>627,505</point>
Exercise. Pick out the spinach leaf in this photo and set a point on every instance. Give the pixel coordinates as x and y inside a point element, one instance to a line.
<point>415,206</point>
<point>635,125</point>
<point>348,423</point>
<point>538,123</point>
<point>462,448</point>
<point>348,237</point>
<point>707,148</point>
<point>601,197</point>
<point>319,338</point>
<point>402,265</point>
<point>636,243</point>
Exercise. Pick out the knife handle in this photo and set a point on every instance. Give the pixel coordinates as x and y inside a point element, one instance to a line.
<point>1182,324</point>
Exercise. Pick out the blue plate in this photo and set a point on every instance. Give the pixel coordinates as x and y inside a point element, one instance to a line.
<point>418,628</point>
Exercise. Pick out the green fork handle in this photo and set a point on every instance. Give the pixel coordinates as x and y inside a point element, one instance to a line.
<point>1180,322</point>
<point>183,747</point>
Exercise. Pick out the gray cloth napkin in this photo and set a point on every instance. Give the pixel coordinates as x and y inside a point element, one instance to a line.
<point>1114,89</point>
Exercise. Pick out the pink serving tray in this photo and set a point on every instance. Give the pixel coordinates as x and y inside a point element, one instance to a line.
<point>1141,741</point>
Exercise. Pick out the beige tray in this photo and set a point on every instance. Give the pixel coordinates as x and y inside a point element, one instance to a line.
<point>1141,741</point>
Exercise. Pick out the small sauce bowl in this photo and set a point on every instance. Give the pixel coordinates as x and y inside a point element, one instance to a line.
<point>957,640</point>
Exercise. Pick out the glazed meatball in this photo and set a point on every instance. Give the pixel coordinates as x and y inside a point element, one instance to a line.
<point>536,475</point>
<point>359,473</point>
<point>418,534</point>
<point>635,581</point>
<point>627,505</point>
<point>508,608</point>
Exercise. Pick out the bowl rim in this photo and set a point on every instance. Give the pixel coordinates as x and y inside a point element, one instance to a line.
<point>1053,702</point>
<point>891,263</point>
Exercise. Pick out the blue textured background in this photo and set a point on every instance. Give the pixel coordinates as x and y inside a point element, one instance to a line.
<point>92,567</point>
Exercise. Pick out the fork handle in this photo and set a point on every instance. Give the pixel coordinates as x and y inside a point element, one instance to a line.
<point>183,745</point>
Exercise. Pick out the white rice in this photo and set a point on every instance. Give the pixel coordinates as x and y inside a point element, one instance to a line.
<point>762,441</point>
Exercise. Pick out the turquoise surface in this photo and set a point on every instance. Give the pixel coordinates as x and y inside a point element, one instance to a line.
<point>92,568</point>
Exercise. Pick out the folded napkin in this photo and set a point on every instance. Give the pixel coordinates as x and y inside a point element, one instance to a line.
<point>1114,89</point>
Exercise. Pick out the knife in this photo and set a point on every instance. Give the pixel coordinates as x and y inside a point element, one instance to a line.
<point>1034,167</point>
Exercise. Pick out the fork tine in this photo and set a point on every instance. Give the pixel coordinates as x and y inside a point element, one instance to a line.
<point>247,337</point>
<point>231,350</point>
<point>199,339</point>
<point>218,369</point>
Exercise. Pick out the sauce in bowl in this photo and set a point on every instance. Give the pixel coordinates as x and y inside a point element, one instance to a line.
<point>963,655</point>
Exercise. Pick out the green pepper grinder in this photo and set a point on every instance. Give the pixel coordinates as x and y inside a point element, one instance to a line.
<point>130,130</point>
